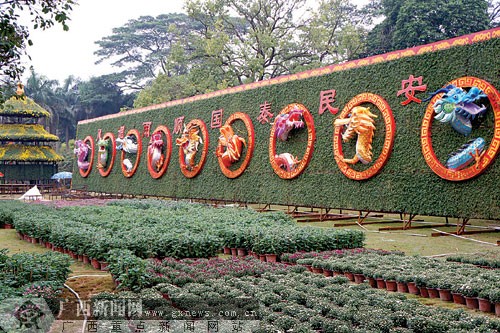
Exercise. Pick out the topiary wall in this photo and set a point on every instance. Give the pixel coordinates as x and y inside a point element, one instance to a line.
<point>406,183</point>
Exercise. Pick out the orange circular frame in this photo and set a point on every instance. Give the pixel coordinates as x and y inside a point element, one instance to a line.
<point>90,140</point>
<point>107,171</point>
<point>168,152</point>
<point>250,145</point>
<point>130,173</point>
<point>198,167</point>
<point>311,138</point>
<point>489,155</point>
<point>390,130</point>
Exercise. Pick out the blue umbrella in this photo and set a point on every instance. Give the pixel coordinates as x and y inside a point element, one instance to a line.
<point>62,175</point>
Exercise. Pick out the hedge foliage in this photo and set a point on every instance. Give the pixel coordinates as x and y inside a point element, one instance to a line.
<point>405,184</point>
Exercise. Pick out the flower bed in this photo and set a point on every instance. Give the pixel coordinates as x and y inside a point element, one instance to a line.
<point>488,260</point>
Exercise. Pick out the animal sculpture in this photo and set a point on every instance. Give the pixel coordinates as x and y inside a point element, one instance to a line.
<point>359,123</point>
<point>155,151</point>
<point>230,146</point>
<point>128,164</point>
<point>287,122</point>
<point>457,107</point>
<point>102,153</point>
<point>81,151</point>
<point>468,153</point>
<point>128,144</point>
<point>189,142</point>
<point>286,161</point>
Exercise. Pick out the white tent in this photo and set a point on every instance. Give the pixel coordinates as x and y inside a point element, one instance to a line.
<point>32,194</point>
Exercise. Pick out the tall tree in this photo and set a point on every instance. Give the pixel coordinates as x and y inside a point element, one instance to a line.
<point>147,47</point>
<point>410,23</point>
<point>14,36</point>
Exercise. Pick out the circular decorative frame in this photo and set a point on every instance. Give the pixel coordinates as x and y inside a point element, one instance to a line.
<point>168,153</point>
<point>138,154</point>
<point>198,167</point>
<point>249,147</point>
<point>107,171</point>
<point>390,130</point>
<point>85,173</point>
<point>488,156</point>
<point>311,138</point>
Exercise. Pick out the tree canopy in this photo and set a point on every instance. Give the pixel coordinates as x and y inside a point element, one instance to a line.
<point>14,36</point>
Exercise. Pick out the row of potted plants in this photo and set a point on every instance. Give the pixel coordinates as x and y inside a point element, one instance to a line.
<point>290,301</point>
<point>461,283</point>
<point>485,259</point>
<point>171,229</point>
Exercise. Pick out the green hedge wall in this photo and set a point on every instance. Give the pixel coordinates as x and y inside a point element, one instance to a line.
<point>405,184</point>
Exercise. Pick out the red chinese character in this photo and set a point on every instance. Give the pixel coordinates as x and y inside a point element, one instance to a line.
<point>265,115</point>
<point>178,125</point>
<point>121,132</point>
<point>147,129</point>
<point>326,98</point>
<point>409,90</point>
<point>216,119</point>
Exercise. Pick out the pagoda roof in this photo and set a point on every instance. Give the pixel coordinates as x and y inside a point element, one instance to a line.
<point>22,106</point>
<point>25,132</point>
<point>21,153</point>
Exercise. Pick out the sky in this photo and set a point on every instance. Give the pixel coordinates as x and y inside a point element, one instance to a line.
<point>58,54</point>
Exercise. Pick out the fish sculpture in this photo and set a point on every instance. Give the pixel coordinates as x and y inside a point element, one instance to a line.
<point>230,146</point>
<point>286,122</point>
<point>155,150</point>
<point>81,151</point>
<point>458,107</point>
<point>286,161</point>
<point>189,142</point>
<point>360,123</point>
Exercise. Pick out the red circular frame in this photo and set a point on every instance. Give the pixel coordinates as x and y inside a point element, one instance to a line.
<point>311,138</point>
<point>489,155</point>
<point>198,167</point>
<point>168,153</point>
<point>390,130</point>
<point>250,145</point>
<point>138,154</point>
<point>85,173</point>
<point>107,171</point>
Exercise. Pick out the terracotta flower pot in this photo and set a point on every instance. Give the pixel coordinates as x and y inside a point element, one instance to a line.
<point>227,250</point>
<point>86,259</point>
<point>104,265</point>
<point>433,292</point>
<point>412,288</point>
<point>262,257</point>
<point>309,267</point>
<point>317,270</point>
<point>424,292</point>
<point>271,257</point>
<point>471,302</point>
<point>372,282</point>
<point>458,298</point>
<point>241,252</point>
<point>19,235</point>
<point>484,305</point>
<point>380,283</point>
<point>359,278</point>
<point>80,257</point>
<point>402,287</point>
<point>349,275</point>
<point>8,226</point>
<point>327,272</point>
<point>497,309</point>
<point>234,252</point>
<point>95,263</point>
<point>391,285</point>
<point>445,295</point>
